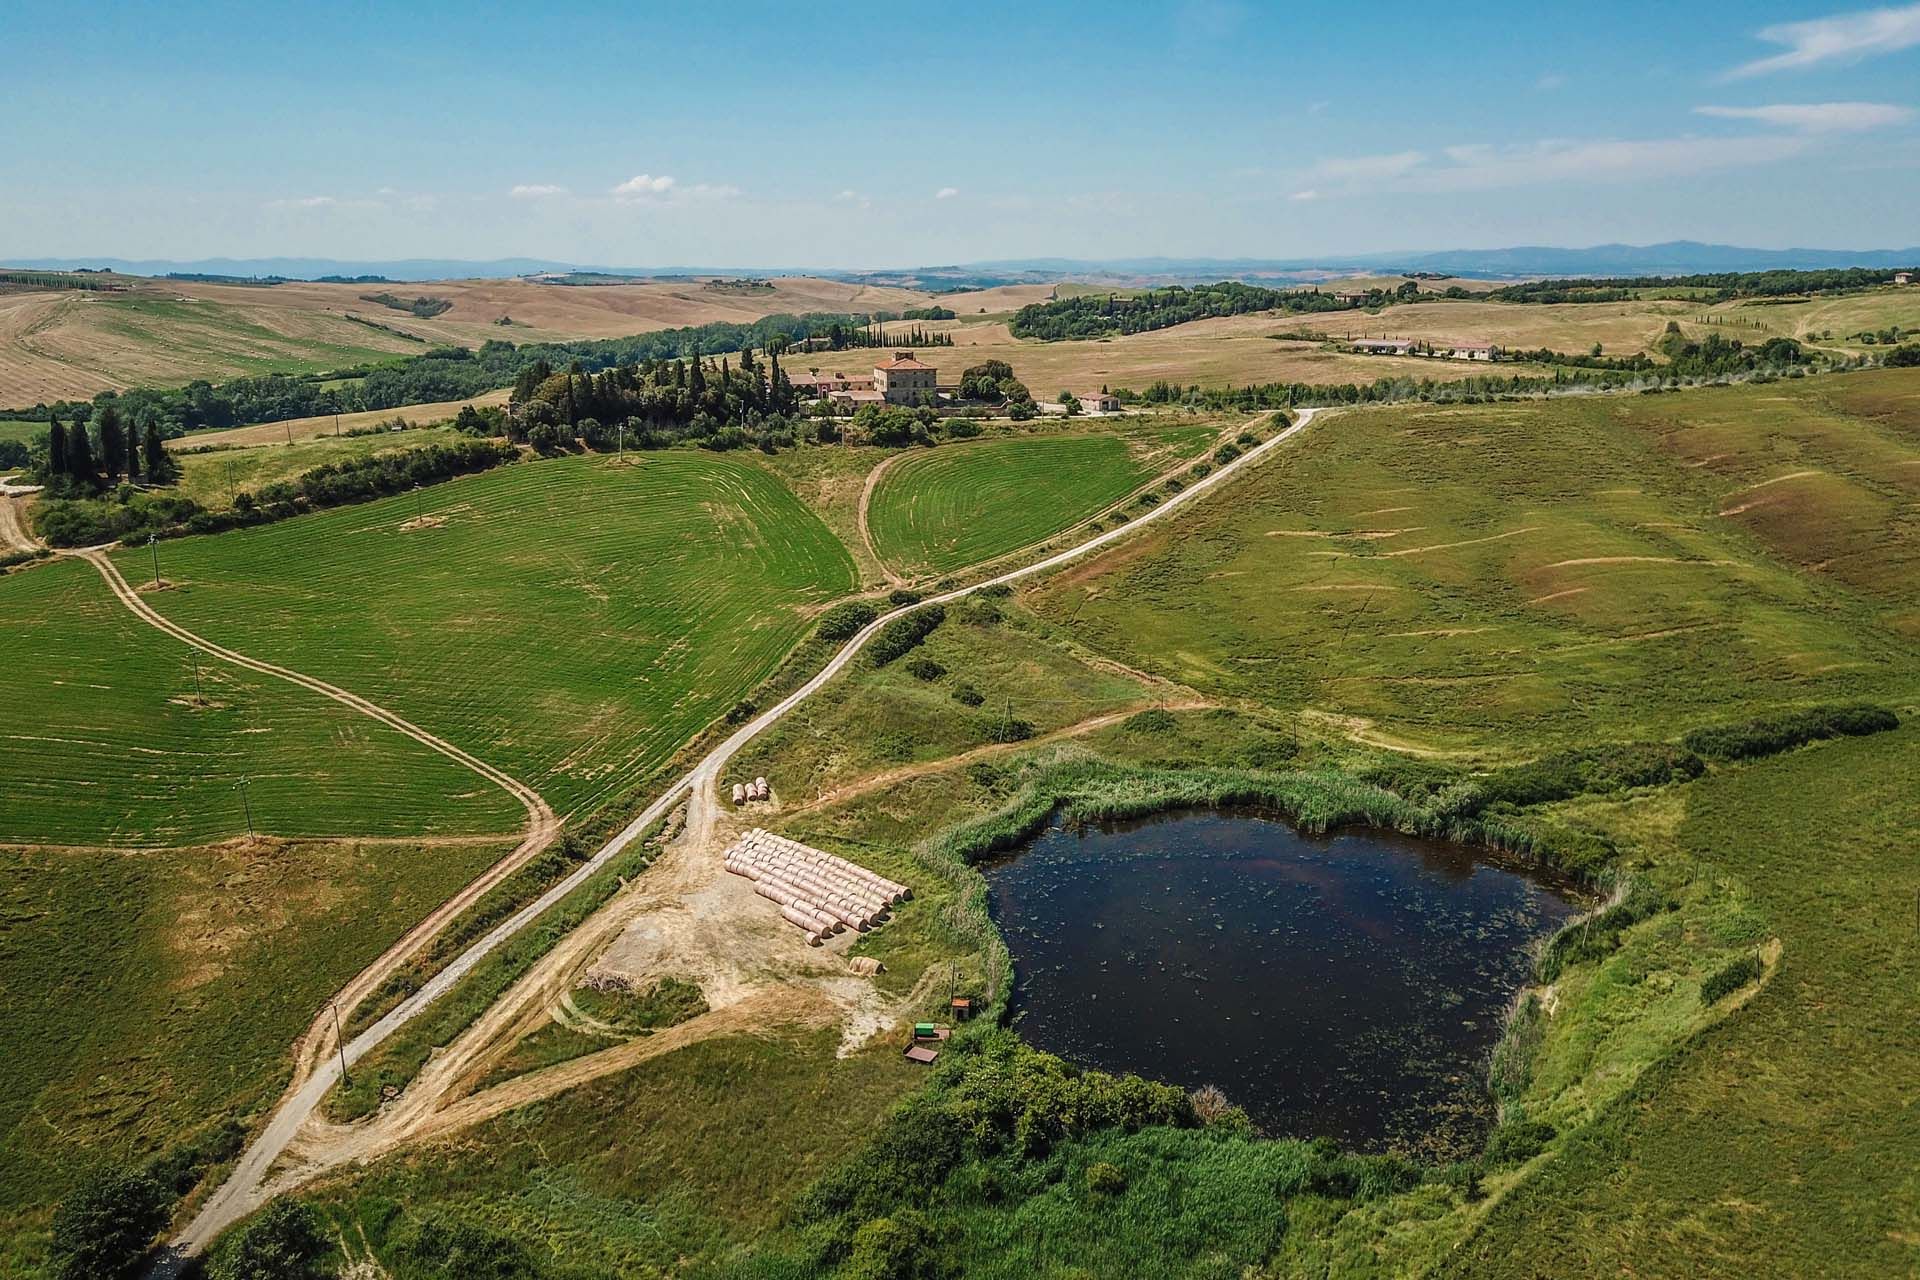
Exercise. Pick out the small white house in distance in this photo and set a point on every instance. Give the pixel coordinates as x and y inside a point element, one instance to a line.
<point>1903,277</point>
<point>1098,401</point>
<point>1384,346</point>
<point>1469,350</point>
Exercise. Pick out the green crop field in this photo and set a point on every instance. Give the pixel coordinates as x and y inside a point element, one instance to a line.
<point>106,745</point>
<point>146,998</point>
<point>571,621</point>
<point>1454,576</point>
<point>961,504</point>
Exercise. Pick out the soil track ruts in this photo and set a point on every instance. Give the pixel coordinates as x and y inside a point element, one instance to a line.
<point>13,524</point>
<point>426,1106</point>
<point>866,534</point>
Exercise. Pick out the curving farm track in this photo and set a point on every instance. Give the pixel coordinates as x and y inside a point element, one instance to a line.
<point>425,1107</point>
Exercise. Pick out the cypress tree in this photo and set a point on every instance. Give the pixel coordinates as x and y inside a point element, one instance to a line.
<point>80,456</point>
<point>56,449</point>
<point>113,444</point>
<point>159,465</point>
<point>133,454</point>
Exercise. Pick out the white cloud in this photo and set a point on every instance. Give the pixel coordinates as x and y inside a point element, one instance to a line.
<point>535,190</point>
<point>1308,194</point>
<point>710,191</point>
<point>303,202</point>
<point>1370,168</point>
<point>1817,117</point>
<point>1844,37</point>
<point>859,199</point>
<point>643,186</point>
<point>1484,167</point>
<point>946,193</point>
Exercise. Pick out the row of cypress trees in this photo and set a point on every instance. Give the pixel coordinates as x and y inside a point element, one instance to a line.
<point>93,462</point>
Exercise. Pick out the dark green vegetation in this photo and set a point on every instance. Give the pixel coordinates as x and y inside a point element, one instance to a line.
<point>572,622</point>
<point>1101,315</point>
<point>127,514</point>
<point>125,748</point>
<point>425,308</point>
<point>952,507</point>
<point>1719,286</point>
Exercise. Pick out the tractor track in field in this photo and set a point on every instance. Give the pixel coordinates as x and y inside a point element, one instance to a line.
<point>441,1097</point>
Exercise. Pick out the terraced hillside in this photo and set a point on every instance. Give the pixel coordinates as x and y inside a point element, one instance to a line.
<point>569,621</point>
<point>106,742</point>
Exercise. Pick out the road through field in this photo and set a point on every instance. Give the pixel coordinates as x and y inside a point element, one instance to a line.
<point>247,1188</point>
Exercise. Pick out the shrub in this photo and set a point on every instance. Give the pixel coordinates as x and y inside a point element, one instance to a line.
<point>1154,721</point>
<point>446,1246</point>
<point>284,1242</point>
<point>904,634</point>
<point>898,1247</point>
<point>968,696</point>
<point>741,712</point>
<point>925,669</point>
<point>1730,977</point>
<point>102,1231</point>
<point>1271,751</point>
<point>902,597</point>
<point>1519,1141</point>
<point>843,621</point>
<point>1769,735</point>
<point>975,612</point>
<point>984,774</point>
<point>1009,730</point>
<point>1105,1178</point>
<point>1246,438</point>
<point>1225,453</point>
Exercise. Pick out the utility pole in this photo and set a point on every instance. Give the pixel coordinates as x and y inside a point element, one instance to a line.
<point>340,1042</point>
<point>289,431</point>
<point>623,442</point>
<point>246,801</point>
<point>153,545</point>
<point>230,493</point>
<point>336,426</point>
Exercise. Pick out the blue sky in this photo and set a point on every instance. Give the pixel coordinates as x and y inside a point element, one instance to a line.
<point>894,135</point>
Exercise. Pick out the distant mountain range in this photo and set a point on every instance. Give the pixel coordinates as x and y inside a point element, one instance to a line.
<point>1676,257</point>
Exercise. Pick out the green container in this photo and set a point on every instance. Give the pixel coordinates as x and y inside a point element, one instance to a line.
<point>923,1031</point>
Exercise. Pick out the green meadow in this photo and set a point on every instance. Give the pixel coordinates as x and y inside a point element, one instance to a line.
<point>109,741</point>
<point>961,504</point>
<point>571,621</point>
<point>1484,576</point>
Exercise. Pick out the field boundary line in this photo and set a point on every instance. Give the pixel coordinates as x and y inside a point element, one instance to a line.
<point>246,1188</point>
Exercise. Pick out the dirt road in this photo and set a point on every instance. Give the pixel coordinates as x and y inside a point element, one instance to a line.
<point>13,517</point>
<point>249,1186</point>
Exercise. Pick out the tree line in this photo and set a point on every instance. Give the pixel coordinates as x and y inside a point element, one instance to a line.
<point>1719,286</point>
<point>1105,315</point>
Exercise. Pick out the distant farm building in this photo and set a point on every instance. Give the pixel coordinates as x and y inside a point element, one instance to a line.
<point>904,380</point>
<point>1384,346</point>
<point>1467,350</point>
<point>1352,299</point>
<point>818,386</point>
<point>1099,401</point>
<point>1903,277</point>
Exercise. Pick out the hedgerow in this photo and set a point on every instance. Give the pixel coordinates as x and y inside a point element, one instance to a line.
<point>904,634</point>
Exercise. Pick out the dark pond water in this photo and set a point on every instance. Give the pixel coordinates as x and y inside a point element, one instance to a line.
<point>1347,985</point>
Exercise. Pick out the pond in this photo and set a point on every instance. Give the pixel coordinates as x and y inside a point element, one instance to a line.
<point>1347,985</point>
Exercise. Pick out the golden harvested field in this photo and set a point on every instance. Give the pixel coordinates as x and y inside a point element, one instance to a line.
<point>70,345</point>
<point>296,429</point>
<point>1227,351</point>
<point>543,312</point>
<point>1842,316</point>
<point>1621,328</point>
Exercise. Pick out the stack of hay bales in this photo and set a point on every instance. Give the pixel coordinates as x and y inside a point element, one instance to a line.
<point>815,891</point>
<point>755,790</point>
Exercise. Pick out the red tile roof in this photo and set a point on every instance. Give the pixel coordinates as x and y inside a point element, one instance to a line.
<point>903,362</point>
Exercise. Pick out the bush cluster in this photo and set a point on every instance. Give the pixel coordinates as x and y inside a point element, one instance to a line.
<point>904,634</point>
<point>843,621</point>
<point>1730,977</point>
<point>1769,735</point>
